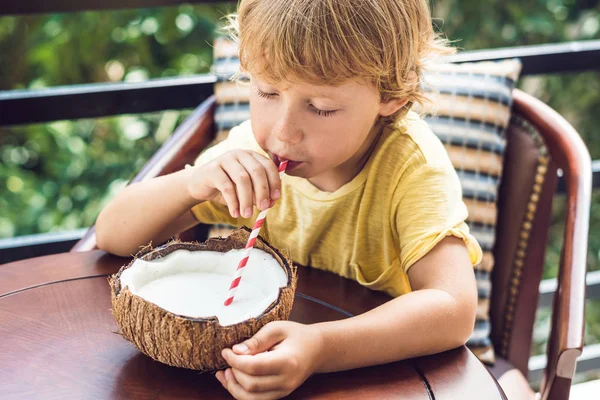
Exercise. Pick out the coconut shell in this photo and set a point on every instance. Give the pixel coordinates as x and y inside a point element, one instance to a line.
<point>187,342</point>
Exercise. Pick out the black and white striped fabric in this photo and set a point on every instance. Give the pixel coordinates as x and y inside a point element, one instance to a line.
<point>232,96</point>
<point>469,112</point>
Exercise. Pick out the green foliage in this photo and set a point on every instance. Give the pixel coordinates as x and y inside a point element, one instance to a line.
<point>58,176</point>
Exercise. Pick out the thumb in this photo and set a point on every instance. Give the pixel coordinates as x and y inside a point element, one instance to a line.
<point>270,335</point>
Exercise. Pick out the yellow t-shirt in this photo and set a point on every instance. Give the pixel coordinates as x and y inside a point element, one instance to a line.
<point>373,229</point>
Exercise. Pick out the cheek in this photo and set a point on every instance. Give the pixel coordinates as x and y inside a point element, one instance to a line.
<point>260,125</point>
<point>334,143</point>
<point>347,133</point>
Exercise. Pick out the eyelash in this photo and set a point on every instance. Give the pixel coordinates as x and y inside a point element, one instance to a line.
<point>265,95</point>
<point>321,113</point>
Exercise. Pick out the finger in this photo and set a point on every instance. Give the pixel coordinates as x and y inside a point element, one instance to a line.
<point>261,364</point>
<point>272,175</point>
<point>258,384</point>
<point>267,337</point>
<point>225,185</point>
<point>260,182</point>
<point>239,392</point>
<point>220,375</point>
<point>243,185</point>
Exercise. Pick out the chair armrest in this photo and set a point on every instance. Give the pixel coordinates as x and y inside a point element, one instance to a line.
<point>458,374</point>
<point>571,155</point>
<point>182,147</point>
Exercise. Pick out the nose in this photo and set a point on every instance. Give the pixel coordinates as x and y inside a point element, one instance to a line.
<point>287,130</point>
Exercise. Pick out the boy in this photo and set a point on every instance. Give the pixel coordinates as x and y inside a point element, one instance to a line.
<point>370,193</point>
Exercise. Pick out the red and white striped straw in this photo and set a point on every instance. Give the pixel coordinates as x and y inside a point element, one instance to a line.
<point>251,241</point>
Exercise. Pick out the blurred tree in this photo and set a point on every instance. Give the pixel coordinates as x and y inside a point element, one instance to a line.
<point>55,176</point>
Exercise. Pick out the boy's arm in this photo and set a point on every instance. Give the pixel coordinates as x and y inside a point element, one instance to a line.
<point>144,212</point>
<point>438,315</point>
<point>155,210</point>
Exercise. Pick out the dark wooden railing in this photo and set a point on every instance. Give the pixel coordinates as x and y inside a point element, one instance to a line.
<point>103,99</point>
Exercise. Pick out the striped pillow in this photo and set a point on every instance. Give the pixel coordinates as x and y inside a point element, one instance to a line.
<point>232,101</point>
<point>232,97</point>
<point>469,112</point>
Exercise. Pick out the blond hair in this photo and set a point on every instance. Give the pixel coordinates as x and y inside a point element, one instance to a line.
<point>386,42</point>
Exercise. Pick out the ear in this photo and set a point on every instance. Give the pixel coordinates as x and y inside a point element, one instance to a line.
<point>390,106</point>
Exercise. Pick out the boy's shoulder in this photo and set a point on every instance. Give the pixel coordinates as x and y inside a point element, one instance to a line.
<point>411,140</point>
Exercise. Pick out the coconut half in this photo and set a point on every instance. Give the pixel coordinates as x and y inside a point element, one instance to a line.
<point>169,301</point>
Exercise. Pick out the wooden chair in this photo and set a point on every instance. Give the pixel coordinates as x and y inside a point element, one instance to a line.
<point>539,142</point>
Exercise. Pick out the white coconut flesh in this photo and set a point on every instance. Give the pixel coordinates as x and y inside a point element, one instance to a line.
<point>195,283</point>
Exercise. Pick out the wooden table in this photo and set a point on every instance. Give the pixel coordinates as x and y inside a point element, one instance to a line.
<point>58,340</point>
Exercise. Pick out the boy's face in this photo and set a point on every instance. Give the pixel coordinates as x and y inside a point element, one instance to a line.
<point>324,131</point>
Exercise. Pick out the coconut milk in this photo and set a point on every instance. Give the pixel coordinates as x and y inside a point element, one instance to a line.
<point>195,284</point>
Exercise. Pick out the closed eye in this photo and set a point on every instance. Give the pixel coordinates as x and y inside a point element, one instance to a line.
<point>264,94</point>
<point>319,112</point>
<point>323,113</point>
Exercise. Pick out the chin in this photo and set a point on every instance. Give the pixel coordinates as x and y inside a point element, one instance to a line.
<point>298,173</point>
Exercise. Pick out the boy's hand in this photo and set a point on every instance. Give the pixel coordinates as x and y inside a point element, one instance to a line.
<point>272,363</point>
<point>238,179</point>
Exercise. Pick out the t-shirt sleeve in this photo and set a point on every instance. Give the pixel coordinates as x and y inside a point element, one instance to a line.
<point>428,207</point>
<point>240,137</point>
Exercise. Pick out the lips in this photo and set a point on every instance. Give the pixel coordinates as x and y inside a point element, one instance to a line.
<point>291,163</point>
